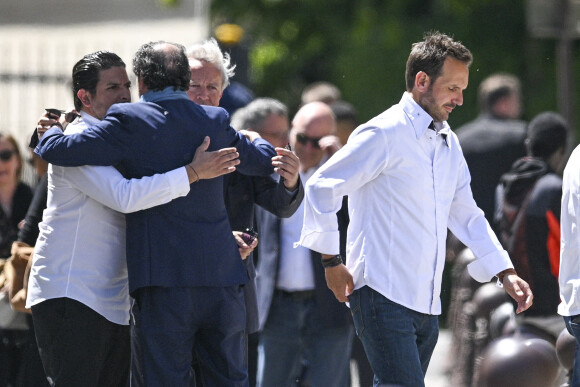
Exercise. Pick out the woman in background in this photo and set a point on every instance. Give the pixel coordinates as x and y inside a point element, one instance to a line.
<point>15,198</point>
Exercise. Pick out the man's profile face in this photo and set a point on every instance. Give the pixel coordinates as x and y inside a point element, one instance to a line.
<point>113,87</point>
<point>446,92</point>
<point>206,83</point>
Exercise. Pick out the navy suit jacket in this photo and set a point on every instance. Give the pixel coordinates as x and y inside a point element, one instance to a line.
<point>187,242</point>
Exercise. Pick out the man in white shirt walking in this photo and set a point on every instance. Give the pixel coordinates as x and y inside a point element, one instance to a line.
<point>407,182</point>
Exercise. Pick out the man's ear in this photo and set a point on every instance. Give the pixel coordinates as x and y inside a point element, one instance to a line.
<point>422,81</point>
<point>84,96</point>
<point>142,88</point>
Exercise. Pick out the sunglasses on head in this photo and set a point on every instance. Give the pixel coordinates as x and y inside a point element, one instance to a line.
<point>304,139</point>
<point>6,155</point>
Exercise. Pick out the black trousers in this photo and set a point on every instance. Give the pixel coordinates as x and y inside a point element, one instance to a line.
<point>79,347</point>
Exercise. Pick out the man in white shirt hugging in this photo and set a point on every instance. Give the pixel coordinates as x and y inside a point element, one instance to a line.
<point>78,287</point>
<point>407,182</point>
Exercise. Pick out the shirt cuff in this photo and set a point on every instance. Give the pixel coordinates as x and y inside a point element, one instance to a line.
<point>179,182</point>
<point>485,268</point>
<point>324,242</point>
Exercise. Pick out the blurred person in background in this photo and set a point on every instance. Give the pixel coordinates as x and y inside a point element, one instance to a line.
<point>346,119</point>
<point>528,211</point>
<point>280,195</point>
<point>305,333</point>
<point>495,139</point>
<point>320,91</point>
<point>17,269</point>
<point>269,118</point>
<point>15,198</point>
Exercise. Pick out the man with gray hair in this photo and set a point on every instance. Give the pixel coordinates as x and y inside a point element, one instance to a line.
<point>268,117</point>
<point>280,195</point>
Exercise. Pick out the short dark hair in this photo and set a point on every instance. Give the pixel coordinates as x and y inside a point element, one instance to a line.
<point>547,132</point>
<point>430,54</point>
<point>160,67</point>
<point>86,72</point>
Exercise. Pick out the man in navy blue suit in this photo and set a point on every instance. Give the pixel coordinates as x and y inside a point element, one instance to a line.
<point>185,271</point>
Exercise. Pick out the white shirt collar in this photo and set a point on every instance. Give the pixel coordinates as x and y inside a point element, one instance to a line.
<point>420,119</point>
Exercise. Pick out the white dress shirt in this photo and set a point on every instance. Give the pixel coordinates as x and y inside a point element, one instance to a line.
<point>406,185</point>
<point>295,271</point>
<point>80,251</point>
<point>569,277</point>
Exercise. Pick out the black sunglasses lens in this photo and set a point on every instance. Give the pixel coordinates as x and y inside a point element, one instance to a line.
<point>6,155</point>
<point>304,139</point>
<point>301,138</point>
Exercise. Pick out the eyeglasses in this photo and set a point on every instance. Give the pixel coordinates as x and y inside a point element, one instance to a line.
<point>304,139</point>
<point>6,155</point>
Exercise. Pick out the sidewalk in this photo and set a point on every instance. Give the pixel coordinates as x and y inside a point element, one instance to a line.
<point>435,373</point>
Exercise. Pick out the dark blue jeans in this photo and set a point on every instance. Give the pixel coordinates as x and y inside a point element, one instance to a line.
<point>573,326</point>
<point>398,341</point>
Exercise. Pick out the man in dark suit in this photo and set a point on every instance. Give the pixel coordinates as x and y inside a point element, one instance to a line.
<point>185,271</point>
<point>301,321</point>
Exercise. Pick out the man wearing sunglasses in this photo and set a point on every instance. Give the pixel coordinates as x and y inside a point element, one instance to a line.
<point>312,144</point>
<point>305,332</point>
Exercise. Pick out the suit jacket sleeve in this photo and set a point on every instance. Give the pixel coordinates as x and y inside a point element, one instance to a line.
<point>274,197</point>
<point>255,157</point>
<point>106,143</point>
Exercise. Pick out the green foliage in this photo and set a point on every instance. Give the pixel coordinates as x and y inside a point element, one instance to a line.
<point>362,47</point>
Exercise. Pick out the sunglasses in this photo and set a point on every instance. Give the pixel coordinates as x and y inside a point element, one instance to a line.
<point>6,155</point>
<point>304,139</point>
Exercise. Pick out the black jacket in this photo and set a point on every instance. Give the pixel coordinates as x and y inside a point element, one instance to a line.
<point>532,187</point>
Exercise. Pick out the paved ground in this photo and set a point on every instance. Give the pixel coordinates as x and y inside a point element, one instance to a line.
<point>435,374</point>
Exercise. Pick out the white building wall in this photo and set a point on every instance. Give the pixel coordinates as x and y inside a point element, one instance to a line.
<point>36,57</point>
